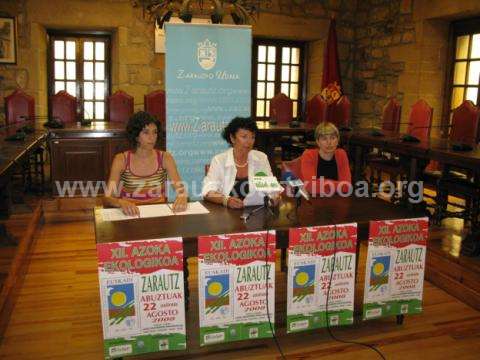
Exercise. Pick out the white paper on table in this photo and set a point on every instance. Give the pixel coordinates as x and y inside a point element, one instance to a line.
<point>194,208</point>
<point>114,215</point>
<point>153,210</point>
<point>146,211</point>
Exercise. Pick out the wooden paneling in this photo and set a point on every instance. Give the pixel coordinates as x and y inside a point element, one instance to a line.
<point>84,154</point>
<point>79,160</point>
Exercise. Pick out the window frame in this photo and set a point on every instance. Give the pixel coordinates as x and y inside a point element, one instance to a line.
<point>79,36</point>
<point>302,76</point>
<point>458,28</point>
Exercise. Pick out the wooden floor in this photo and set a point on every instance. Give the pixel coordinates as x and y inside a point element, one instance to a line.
<point>57,315</point>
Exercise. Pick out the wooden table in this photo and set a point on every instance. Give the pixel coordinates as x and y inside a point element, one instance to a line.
<point>12,153</point>
<point>438,149</point>
<point>269,135</point>
<point>220,220</point>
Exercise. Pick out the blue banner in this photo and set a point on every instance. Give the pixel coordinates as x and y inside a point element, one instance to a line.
<point>208,76</point>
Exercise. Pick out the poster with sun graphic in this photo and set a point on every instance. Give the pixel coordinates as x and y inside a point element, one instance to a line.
<point>235,274</point>
<point>395,267</point>
<point>142,296</point>
<point>321,258</point>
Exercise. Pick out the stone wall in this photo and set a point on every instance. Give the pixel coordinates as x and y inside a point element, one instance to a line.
<point>386,47</point>
<point>401,51</point>
<point>136,69</point>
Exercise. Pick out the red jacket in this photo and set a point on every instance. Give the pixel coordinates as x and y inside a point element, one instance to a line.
<point>309,163</point>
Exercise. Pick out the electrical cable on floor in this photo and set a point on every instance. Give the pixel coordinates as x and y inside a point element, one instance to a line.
<point>334,337</point>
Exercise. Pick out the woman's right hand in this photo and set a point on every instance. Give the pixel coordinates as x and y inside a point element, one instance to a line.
<point>234,203</point>
<point>129,208</point>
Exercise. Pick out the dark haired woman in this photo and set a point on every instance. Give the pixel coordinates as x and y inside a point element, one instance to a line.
<point>228,181</point>
<point>139,176</point>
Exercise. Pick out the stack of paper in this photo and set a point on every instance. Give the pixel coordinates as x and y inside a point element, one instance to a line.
<point>154,210</point>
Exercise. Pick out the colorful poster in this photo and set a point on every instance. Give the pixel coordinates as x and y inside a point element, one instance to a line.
<point>395,267</point>
<point>208,76</point>
<point>142,296</point>
<point>236,272</point>
<point>320,258</point>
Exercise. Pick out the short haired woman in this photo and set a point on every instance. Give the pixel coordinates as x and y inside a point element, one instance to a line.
<point>229,177</point>
<point>326,170</point>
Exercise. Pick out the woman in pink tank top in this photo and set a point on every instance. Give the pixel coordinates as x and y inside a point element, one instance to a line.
<point>139,176</point>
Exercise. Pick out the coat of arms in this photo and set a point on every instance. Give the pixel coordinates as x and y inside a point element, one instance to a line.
<point>207,54</point>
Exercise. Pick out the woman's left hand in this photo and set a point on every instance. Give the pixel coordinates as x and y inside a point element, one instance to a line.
<point>180,203</point>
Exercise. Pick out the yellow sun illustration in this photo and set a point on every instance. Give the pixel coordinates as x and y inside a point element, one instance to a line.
<point>119,298</point>
<point>301,278</point>
<point>378,268</point>
<point>215,288</point>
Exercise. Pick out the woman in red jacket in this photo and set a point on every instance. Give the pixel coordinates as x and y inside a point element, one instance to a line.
<point>326,170</point>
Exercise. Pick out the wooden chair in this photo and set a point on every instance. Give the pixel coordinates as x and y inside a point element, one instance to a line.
<point>281,109</point>
<point>120,107</point>
<point>316,110</point>
<point>419,126</point>
<point>155,105</point>
<point>341,112</point>
<point>20,107</point>
<point>63,106</point>
<point>464,130</point>
<point>390,122</point>
<point>281,113</point>
<point>391,114</point>
<point>420,120</point>
<point>316,113</point>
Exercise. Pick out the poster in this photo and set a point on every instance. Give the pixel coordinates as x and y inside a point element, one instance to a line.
<point>235,273</point>
<point>208,83</point>
<point>312,267</point>
<point>142,296</point>
<point>395,267</point>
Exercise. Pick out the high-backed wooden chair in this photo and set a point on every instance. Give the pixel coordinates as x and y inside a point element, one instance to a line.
<point>391,114</point>
<point>155,105</point>
<point>120,107</point>
<point>341,112</point>
<point>463,132</point>
<point>19,107</point>
<point>420,121</point>
<point>316,110</point>
<point>281,109</point>
<point>63,106</point>
<point>315,114</point>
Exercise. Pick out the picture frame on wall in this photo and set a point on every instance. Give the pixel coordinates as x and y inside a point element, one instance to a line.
<point>8,40</point>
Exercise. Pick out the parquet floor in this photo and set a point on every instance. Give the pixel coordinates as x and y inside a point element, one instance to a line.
<point>57,315</point>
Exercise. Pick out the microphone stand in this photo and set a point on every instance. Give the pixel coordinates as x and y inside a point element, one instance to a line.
<point>266,205</point>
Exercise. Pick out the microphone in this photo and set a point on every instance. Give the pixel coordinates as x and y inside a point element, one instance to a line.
<point>296,184</point>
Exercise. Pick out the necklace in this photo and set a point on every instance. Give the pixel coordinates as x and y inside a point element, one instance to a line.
<point>241,165</point>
